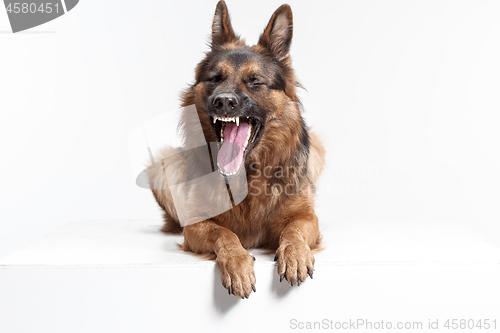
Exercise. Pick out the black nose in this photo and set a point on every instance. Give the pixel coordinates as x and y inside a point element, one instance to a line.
<point>226,102</point>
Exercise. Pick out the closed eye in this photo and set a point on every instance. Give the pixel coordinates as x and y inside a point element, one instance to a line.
<point>214,78</point>
<point>256,82</point>
<point>217,78</point>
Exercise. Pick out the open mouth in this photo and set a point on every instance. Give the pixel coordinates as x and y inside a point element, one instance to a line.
<point>236,137</point>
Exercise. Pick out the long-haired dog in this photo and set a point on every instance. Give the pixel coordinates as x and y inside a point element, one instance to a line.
<point>246,102</point>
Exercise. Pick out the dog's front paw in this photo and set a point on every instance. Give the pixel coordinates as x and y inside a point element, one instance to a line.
<point>295,262</point>
<point>237,273</point>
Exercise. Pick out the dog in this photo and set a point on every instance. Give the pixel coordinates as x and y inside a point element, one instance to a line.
<point>246,102</point>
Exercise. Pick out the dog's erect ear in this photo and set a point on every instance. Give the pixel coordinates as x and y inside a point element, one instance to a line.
<point>222,31</point>
<point>277,36</point>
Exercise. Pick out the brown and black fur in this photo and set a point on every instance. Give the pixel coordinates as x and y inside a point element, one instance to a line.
<point>263,75</point>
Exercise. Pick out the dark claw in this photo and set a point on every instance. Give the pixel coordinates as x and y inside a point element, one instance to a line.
<point>230,290</point>
<point>299,282</point>
<point>281,277</point>
<point>310,272</point>
<point>253,288</point>
<point>276,258</point>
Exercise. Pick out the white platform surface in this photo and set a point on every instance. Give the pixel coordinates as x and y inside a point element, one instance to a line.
<point>126,276</point>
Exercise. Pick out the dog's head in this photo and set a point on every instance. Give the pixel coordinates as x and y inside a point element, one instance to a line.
<point>245,91</point>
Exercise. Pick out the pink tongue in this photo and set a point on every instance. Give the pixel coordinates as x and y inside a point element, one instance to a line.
<point>231,153</point>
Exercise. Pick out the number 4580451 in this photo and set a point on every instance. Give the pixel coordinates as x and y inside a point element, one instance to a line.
<point>470,324</point>
<point>24,7</point>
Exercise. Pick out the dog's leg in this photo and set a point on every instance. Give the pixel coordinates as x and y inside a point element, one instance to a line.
<point>294,256</point>
<point>235,263</point>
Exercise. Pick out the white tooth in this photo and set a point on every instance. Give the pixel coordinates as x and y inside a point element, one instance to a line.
<point>215,119</point>
<point>238,121</point>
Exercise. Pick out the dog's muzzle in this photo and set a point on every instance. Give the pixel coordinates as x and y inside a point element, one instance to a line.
<point>225,103</point>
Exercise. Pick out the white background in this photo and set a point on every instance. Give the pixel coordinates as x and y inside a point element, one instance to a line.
<point>406,94</point>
